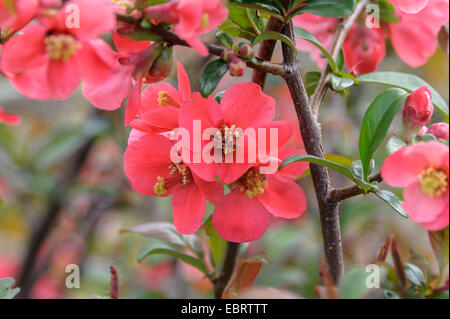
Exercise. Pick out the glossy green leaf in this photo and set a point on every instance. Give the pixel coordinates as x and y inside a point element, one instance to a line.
<point>392,200</point>
<point>211,76</point>
<point>387,11</point>
<point>394,144</point>
<point>225,39</point>
<point>339,83</point>
<point>217,244</point>
<point>376,123</point>
<point>407,82</point>
<point>308,36</point>
<point>414,274</point>
<point>353,285</point>
<point>329,8</point>
<point>151,250</point>
<point>272,35</point>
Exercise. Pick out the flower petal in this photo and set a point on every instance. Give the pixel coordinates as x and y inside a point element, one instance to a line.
<point>189,206</point>
<point>283,197</point>
<point>238,218</point>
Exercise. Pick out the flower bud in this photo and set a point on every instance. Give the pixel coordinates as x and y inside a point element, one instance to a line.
<point>247,51</point>
<point>417,111</point>
<point>162,67</point>
<point>237,67</point>
<point>439,130</point>
<point>228,55</point>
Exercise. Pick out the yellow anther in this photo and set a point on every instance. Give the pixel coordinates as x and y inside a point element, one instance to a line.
<point>252,183</point>
<point>434,182</point>
<point>205,20</point>
<point>61,47</point>
<point>160,187</point>
<point>226,139</point>
<point>164,99</point>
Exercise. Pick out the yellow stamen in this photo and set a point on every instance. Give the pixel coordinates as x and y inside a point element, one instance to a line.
<point>434,182</point>
<point>226,139</point>
<point>160,187</point>
<point>205,20</point>
<point>61,47</point>
<point>181,175</point>
<point>252,183</point>
<point>164,99</point>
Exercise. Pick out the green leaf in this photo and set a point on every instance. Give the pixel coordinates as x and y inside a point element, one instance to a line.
<point>394,144</point>
<point>439,241</point>
<point>334,166</point>
<point>387,11</point>
<point>376,123</point>
<point>414,274</point>
<point>243,18</point>
<point>308,36</point>
<point>212,75</point>
<point>392,200</point>
<point>353,285</point>
<point>217,244</point>
<point>234,30</point>
<point>225,39</point>
<point>272,35</point>
<point>407,82</point>
<point>340,83</point>
<point>150,250</point>
<point>311,81</point>
<point>329,8</point>
<point>6,292</point>
<point>357,169</point>
<point>165,232</point>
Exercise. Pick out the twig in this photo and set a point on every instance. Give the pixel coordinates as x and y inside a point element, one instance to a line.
<point>172,38</point>
<point>341,34</point>
<point>339,194</point>
<point>230,262</point>
<point>399,269</point>
<point>312,138</point>
<point>114,290</point>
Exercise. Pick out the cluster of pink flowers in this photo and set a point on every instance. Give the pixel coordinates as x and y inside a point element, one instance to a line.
<point>244,213</point>
<point>413,36</point>
<point>422,168</point>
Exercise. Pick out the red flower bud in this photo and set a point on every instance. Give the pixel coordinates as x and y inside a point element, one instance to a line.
<point>364,49</point>
<point>439,130</point>
<point>228,55</point>
<point>247,51</point>
<point>417,111</point>
<point>162,67</point>
<point>237,67</point>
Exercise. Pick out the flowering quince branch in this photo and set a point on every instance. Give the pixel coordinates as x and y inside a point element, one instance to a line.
<point>341,34</point>
<point>339,194</point>
<point>173,39</point>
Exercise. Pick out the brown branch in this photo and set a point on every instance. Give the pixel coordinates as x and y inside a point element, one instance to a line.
<point>341,34</point>
<point>171,38</point>
<point>339,194</point>
<point>114,289</point>
<point>312,139</point>
<point>230,262</point>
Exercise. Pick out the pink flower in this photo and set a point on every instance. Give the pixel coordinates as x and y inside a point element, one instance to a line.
<point>244,214</point>
<point>417,111</point>
<point>439,130</point>
<point>364,49</point>
<point>422,169</point>
<point>414,37</point>
<point>243,106</point>
<point>8,118</point>
<point>161,103</point>
<point>324,29</point>
<point>149,167</point>
<point>16,14</point>
<point>191,18</point>
<point>48,60</point>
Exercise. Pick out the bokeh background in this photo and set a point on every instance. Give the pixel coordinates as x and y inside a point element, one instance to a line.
<point>61,173</point>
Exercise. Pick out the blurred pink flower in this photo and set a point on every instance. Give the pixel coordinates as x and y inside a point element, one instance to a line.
<point>414,37</point>
<point>439,130</point>
<point>49,59</point>
<point>16,14</point>
<point>422,169</point>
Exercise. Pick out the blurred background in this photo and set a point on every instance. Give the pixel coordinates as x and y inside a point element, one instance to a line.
<point>64,197</point>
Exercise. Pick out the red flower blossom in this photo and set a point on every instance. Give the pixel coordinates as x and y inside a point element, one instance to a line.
<point>8,118</point>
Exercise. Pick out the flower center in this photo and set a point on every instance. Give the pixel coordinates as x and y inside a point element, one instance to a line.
<point>252,183</point>
<point>179,175</point>
<point>226,139</point>
<point>164,99</point>
<point>61,47</point>
<point>205,20</point>
<point>434,182</point>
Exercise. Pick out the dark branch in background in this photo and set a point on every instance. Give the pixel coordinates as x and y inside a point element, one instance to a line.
<point>55,203</point>
<point>114,290</point>
<point>312,139</point>
<point>171,38</point>
<point>229,265</point>
<point>341,34</point>
<point>340,194</point>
